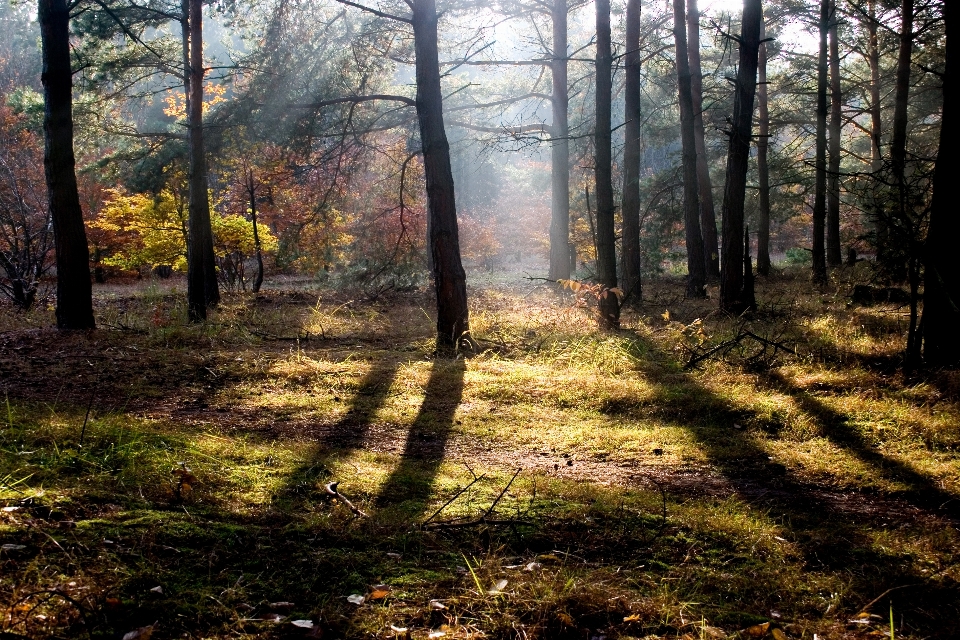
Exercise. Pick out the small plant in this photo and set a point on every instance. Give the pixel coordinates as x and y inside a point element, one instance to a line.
<point>589,295</point>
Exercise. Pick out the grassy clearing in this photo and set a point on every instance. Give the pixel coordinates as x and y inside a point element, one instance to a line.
<point>797,487</point>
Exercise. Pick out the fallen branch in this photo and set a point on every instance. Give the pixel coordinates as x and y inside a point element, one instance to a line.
<point>332,490</point>
<point>483,519</point>
<point>456,495</point>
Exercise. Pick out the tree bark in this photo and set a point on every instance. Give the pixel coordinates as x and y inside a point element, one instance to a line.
<point>202,288</point>
<point>696,266</point>
<point>630,249</point>
<point>603,171</point>
<point>873,59</point>
<point>898,143</point>
<point>708,215</point>
<point>738,156</point>
<point>252,192</point>
<point>449,278</point>
<point>74,291</point>
<point>820,183</point>
<point>941,300</point>
<point>560,263</point>
<point>834,257</point>
<point>763,170</point>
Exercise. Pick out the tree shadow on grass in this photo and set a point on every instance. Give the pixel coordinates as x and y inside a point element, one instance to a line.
<point>349,432</point>
<point>829,527</point>
<point>411,482</point>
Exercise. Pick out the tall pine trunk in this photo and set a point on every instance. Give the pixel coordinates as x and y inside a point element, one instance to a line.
<point>941,300</point>
<point>894,259</point>
<point>732,294</point>
<point>202,288</point>
<point>560,263</point>
<point>74,291</point>
<point>708,215</point>
<point>820,182</point>
<point>603,172</point>
<point>834,257</point>
<point>449,278</point>
<point>696,266</point>
<point>630,244</point>
<point>763,170</point>
<point>873,59</point>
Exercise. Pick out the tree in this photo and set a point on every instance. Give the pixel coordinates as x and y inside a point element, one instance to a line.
<point>696,268</point>
<point>74,291</point>
<point>941,302</point>
<point>449,278</point>
<point>560,263</point>
<point>763,168</point>
<point>733,297</point>
<point>603,172</point>
<point>202,288</point>
<point>892,256</point>
<point>630,207</point>
<point>834,257</point>
<point>708,216</point>
<point>820,162</point>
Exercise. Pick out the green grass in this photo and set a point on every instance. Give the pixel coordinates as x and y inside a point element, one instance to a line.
<point>797,488</point>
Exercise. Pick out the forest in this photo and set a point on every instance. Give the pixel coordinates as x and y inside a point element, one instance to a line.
<point>526,319</point>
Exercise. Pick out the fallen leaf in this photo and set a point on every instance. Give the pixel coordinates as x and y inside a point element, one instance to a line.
<point>778,634</point>
<point>283,605</point>
<point>436,634</point>
<point>356,598</point>
<point>395,556</point>
<point>533,566</point>
<point>632,618</point>
<point>379,592</point>
<point>497,588</point>
<point>756,631</point>
<point>143,633</point>
<point>272,617</point>
<point>436,604</point>
<point>398,629</point>
<point>13,547</point>
<point>303,624</point>
<point>706,631</point>
<point>157,589</point>
<point>565,618</point>
<point>10,509</point>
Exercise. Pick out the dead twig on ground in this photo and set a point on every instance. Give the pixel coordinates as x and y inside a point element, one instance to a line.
<point>484,518</point>
<point>332,490</point>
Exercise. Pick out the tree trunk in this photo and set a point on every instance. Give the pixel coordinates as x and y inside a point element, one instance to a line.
<point>738,156</point>
<point>696,267</point>
<point>748,296</point>
<point>834,257</point>
<point>74,291</point>
<point>820,188</point>
<point>603,172</point>
<point>708,215</point>
<point>449,278</point>
<point>630,258</point>
<point>941,300</point>
<point>252,192</point>
<point>894,259</point>
<point>763,170</point>
<point>873,59</point>
<point>560,265</point>
<point>202,288</point>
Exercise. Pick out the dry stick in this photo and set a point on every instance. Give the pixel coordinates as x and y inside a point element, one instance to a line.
<point>502,493</point>
<point>83,429</point>
<point>867,606</point>
<point>483,519</point>
<point>332,490</point>
<point>457,495</point>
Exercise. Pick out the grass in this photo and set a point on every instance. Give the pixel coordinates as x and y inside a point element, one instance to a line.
<point>798,488</point>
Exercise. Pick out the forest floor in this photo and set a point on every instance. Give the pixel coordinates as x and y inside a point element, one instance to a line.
<point>557,482</point>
